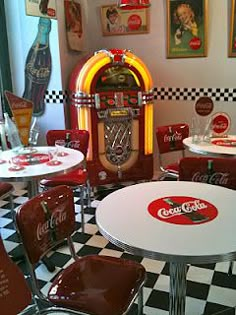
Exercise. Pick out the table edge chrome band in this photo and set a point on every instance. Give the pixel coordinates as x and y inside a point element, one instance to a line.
<point>208,153</point>
<point>206,259</point>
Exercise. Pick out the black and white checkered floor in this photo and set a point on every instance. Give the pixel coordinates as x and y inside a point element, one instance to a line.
<point>209,288</point>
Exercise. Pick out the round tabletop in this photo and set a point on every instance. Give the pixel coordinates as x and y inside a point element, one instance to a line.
<point>39,167</point>
<point>123,217</point>
<point>225,147</point>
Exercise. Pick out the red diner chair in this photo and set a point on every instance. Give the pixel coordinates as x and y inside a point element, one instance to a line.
<point>171,148</point>
<point>211,170</point>
<point>6,190</point>
<point>15,294</point>
<point>93,284</point>
<point>77,179</point>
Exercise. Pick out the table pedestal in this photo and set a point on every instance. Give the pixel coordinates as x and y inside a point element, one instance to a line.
<point>178,285</point>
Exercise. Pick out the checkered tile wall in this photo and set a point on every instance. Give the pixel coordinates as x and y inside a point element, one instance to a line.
<point>166,93</point>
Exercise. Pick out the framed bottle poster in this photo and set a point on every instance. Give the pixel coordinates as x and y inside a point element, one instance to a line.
<point>232,37</point>
<point>41,8</point>
<point>187,28</point>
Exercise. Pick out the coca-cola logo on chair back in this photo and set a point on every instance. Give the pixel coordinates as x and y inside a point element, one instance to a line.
<point>170,137</point>
<point>46,220</point>
<point>222,171</point>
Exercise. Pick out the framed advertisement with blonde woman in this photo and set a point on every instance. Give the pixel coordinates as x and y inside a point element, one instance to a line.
<point>124,22</point>
<point>186,28</point>
<point>232,37</point>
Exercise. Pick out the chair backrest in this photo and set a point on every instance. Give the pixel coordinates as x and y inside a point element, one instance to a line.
<point>15,294</point>
<point>46,220</point>
<point>170,137</point>
<point>79,139</point>
<point>216,171</point>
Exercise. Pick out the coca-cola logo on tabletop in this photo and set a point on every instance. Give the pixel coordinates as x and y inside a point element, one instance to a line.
<point>56,218</point>
<point>31,159</point>
<point>134,22</point>
<point>216,178</point>
<point>224,142</point>
<point>182,210</point>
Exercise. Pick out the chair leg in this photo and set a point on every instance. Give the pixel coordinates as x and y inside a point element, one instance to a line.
<point>230,271</point>
<point>140,302</point>
<point>88,193</point>
<point>82,207</point>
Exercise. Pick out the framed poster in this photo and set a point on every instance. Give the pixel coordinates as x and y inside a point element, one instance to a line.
<point>43,8</point>
<point>74,25</point>
<point>124,22</point>
<point>232,37</point>
<point>187,28</point>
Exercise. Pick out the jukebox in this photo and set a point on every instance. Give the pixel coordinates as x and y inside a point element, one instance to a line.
<point>111,96</point>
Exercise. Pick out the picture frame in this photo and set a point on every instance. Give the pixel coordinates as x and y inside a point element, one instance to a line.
<point>115,21</point>
<point>41,8</point>
<point>187,37</point>
<point>232,36</point>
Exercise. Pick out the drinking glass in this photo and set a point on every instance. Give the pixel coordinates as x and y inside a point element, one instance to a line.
<point>14,166</point>
<point>52,155</point>
<point>195,130</point>
<point>60,144</point>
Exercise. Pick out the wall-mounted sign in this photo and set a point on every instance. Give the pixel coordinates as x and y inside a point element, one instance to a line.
<point>204,106</point>
<point>43,8</point>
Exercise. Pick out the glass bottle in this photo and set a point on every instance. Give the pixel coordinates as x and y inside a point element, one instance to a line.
<point>34,133</point>
<point>67,142</point>
<point>38,67</point>
<point>4,145</point>
<point>12,133</point>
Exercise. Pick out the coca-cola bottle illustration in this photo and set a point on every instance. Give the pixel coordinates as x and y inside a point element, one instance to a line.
<point>38,67</point>
<point>196,217</point>
<point>210,171</point>
<point>51,223</point>
<point>172,138</point>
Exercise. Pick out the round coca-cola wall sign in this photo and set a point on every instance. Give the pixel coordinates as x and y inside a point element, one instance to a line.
<point>204,106</point>
<point>220,124</point>
<point>182,210</point>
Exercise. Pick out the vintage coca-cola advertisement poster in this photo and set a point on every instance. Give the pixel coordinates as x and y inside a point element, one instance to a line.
<point>43,8</point>
<point>74,25</point>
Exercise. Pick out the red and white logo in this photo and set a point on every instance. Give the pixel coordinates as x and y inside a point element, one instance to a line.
<point>182,210</point>
<point>134,22</point>
<point>220,124</point>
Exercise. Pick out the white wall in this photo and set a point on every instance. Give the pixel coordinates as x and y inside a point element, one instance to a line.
<point>215,70</point>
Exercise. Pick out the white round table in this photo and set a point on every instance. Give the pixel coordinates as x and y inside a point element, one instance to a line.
<point>34,172</point>
<point>123,218</point>
<point>205,148</point>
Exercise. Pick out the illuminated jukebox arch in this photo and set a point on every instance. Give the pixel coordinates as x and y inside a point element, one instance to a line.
<point>111,96</point>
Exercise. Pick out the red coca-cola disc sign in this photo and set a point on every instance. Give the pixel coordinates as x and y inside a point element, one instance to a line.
<point>182,210</point>
<point>134,22</point>
<point>220,124</point>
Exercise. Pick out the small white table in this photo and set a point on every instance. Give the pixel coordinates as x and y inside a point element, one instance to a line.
<point>205,148</point>
<point>32,173</point>
<point>124,219</point>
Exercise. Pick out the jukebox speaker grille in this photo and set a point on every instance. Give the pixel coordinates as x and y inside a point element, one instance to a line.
<point>118,132</point>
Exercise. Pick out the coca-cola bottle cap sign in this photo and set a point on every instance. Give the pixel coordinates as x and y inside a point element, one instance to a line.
<point>182,210</point>
<point>220,124</point>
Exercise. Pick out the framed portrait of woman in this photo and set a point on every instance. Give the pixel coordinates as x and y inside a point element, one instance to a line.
<point>232,37</point>
<point>187,23</point>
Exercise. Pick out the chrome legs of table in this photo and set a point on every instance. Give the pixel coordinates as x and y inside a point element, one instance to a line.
<point>178,285</point>
<point>33,188</point>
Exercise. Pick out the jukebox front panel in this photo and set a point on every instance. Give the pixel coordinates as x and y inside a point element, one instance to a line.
<point>113,100</point>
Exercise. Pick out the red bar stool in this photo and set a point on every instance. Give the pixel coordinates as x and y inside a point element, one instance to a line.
<point>170,147</point>
<point>93,284</point>
<point>77,179</point>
